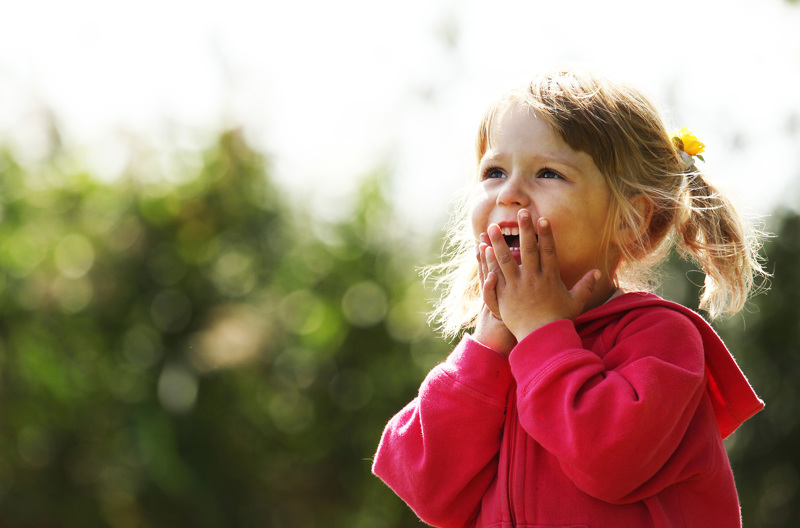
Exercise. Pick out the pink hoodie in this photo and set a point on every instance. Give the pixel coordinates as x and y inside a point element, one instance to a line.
<point>615,420</point>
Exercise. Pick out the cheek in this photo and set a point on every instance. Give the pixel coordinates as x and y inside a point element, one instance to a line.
<point>580,238</point>
<point>480,208</point>
<point>573,228</point>
<point>478,226</point>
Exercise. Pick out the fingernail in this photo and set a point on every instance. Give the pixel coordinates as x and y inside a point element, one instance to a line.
<point>543,222</point>
<point>597,275</point>
<point>524,214</point>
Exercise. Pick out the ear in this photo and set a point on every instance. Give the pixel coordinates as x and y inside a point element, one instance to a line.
<point>626,233</point>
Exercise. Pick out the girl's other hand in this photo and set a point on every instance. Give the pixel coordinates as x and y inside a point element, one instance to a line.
<point>490,330</point>
<point>488,279</point>
<point>532,294</point>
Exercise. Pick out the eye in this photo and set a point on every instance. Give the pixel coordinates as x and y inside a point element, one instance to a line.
<point>549,174</point>
<point>493,173</point>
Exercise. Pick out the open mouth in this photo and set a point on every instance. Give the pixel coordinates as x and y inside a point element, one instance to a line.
<point>511,236</point>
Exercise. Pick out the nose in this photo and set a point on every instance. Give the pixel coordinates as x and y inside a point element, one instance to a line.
<point>513,192</point>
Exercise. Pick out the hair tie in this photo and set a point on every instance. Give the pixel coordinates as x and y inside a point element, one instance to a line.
<point>689,147</point>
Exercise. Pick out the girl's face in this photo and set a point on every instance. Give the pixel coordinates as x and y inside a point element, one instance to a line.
<point>529,166</point>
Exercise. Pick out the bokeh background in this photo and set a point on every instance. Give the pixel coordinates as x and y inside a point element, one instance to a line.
<point>212,217</point>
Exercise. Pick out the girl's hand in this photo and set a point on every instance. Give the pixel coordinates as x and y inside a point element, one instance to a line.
<point>488,280</point>
<point>532,294</point>
<point>490,330</point>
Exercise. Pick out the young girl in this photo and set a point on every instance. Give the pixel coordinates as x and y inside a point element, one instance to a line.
<point>579,399</point>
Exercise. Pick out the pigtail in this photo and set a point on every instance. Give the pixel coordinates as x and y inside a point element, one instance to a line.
<point>713,234</point>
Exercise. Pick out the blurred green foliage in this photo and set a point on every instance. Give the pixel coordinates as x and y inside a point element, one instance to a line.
<point>189,350</point>
<point>764,452</point>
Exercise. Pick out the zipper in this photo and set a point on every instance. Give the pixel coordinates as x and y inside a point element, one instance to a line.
<point>512,411</point>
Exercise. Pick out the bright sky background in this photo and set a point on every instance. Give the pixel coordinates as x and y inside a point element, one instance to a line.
<point>332,90</point>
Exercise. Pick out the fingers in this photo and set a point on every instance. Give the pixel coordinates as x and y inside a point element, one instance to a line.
<point>499,250</point>
<point>489,278</point>
<point>547,247</point>
<point>490,295</point>
<point>481,249</point>
<point>492,265</point>
<point>529,248</point>
<point>537,252</point>
<point>484,243</point>
<point>583,289</point>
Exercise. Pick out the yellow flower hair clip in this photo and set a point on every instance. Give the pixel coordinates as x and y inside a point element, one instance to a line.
<point>688,145</point>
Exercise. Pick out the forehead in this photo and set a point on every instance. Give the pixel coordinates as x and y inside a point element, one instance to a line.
<point>520,136</point>
<point>518,119</point>
<point>517,128</point>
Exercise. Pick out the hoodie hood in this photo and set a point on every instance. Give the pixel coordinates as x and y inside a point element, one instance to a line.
<point>733,398</point>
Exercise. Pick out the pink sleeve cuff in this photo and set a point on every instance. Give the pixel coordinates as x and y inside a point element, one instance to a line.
<point>542,350</point>
<point>479,368</point>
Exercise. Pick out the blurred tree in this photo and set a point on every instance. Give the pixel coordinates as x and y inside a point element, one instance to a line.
<point>111,296</point>
<point>767,342</point>
<point>190,352</point>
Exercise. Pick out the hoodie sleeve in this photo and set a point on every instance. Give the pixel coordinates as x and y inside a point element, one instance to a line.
<point>613,421</point>
<point>440,453</point>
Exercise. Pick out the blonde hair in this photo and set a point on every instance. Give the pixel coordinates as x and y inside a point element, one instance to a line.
<point>625,135</point>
